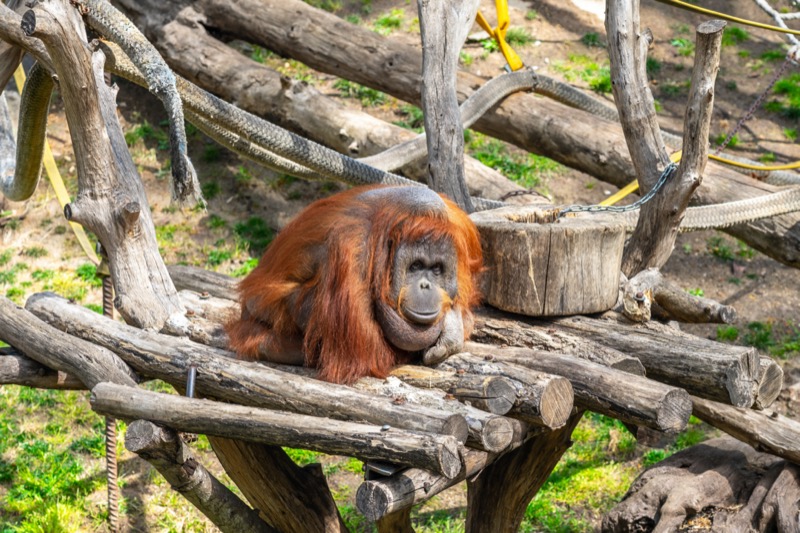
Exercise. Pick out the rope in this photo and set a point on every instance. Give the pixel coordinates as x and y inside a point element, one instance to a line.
<point>725,16</point>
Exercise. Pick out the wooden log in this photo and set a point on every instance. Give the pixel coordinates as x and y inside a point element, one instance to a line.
<point>673,303</point>
<point>111,200</point>
<point>329,44</point>
<point>18,369</point>
<point>657,228</point>
<point>486,431</point>
<point>494,327</point>
<point>187,45</point>
<point>770,383</point>
<point>218,310</point>
<point>163,448</point>
<point>767,432</point>
<point>378,498</point>
<point>494,394</point>
<point>438,453</point>
<point>539,265</point>
<point>444,27</point>
<point>221,377</point>
<point>498,497</point>
<point>703,367</point>
<point>627,397</point>
<point>399,522</point>
<point>57,350</point>
<point>551,400</point>
<point>291,498</point>
<point>203,281</point>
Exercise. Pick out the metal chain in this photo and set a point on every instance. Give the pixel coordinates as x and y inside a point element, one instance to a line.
<point>753,108</point>
<point>665,175</point>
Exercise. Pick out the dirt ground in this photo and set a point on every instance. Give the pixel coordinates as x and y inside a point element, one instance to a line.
<point>762,290</point>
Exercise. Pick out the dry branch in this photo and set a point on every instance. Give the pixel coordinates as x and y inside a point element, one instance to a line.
<point>164,449</point>
<point>18,369</point>
<point>59,351</point>
<point>767,432</point>
<point>630,398</point>
<point>705,368</point>
<point>221,377</point>
<point>204,281</point>
<point>438,453</point>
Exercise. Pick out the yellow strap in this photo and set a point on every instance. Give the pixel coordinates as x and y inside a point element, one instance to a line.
<point>499,33</point>
<point>765,168</point>
<point>58,184</point>
<point>698,9</point>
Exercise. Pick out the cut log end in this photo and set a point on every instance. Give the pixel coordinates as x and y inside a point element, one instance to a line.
<point>374,500</point>
<point>498,392</point>
<point>497,434</point>
<point>449,458</point>
<point>456,426</point>
<point>674,412</point>
<point>557,402</point>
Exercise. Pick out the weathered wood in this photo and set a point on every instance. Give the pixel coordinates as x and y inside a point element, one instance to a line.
<point>768,432</point>
<point>538,265</point>
<point>498,497</point>
<point>627,397</point>
<point>18,369</point>
<point>218,68</point>
<point>673,303</point>
<point>770,383</point>
<point>291,498</point>
<point>486,431</point>
<point>551,397</point>
<point>57,350</point>
<point>378,498</point>
<point>576,138</point>
<point>204,281</point>
<point>399,522</point>
<point>163,448</point>
<point>494,327</point>
<point>438,453</point>
<point>218,310</point>
<point>444,27</point>
<point>221,377</point>
<point>653,239</point>
<point>705,368</point>
<point>494,394</point>
<point>737,488</point>
<point>107,190</point>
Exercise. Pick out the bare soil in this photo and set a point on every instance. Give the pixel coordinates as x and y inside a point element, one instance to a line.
<point>761,289</point>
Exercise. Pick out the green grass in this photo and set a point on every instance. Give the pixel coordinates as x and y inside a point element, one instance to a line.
<point>525,169</point>
<point>368,97</point>
<point>597,76</point>
<point>788,101</point>
<point>148,133</point>
<point>255,233</point>
<point>389,22</point>
<point>733,35</point>
<point>413,118</point>
<point>683,46</point>
<point>517,36</point>
<point>592,39</point>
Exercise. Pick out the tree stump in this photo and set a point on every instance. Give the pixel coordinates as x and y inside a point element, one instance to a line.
<point>540,265</point>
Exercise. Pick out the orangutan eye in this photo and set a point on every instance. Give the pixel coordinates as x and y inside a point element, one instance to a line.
<point>416,266</point>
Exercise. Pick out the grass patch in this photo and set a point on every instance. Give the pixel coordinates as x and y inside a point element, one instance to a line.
<point>582,67</point>
<point>388,22</point>
<point>525,169</point>
<point>413,118</point>
<point>519,37</point>
<point>788,91</point>
<point>592,39</point>
<point>148,133</point>
<point>368,97</point>
<point>683,46</point>
<point>731,36</point>
<point>255,233</point>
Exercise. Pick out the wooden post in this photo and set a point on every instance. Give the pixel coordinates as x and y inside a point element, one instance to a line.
<point>111,201</point>
<point>444,27</point>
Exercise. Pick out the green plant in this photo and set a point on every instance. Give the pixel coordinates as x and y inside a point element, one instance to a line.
<point>744,251</point>
<point>652,66</point>
<point>719,248</point>
<point>518,37</point>
<point>217,257</point>
<point>790,134</point>
<point>719,139</point>
<point>243,175</point>
<point>212,153</point>
<point>527,170</point>
<point>368,97</point>
<point>592,39</point>
<point>580,66</point>
<point>389,22</point>
<point>260,55</point>
<point>5,257</point>
<point>531,14</point>
<point>727,333</point>
<point>683,46</point>
<point>773,55</point>
<point>88,273</point>
<point>210,190</point>
<point>767,157</point>
<point>759,335</point>
<point>490,45</point>
<point>216,222</point>
<point>465,58</point>
<point>788,89</point>
<point>696,292</point>
<point>245,268</point>
<point>34,251</point>
<point>147,132</point>
<point>255,233</point>
<point>734,35</point>
<point>414,119</point>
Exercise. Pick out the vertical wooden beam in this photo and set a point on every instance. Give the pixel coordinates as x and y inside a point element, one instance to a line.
<point>444,27</point>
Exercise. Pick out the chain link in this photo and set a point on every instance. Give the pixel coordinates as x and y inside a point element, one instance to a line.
<point>665,175</point>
